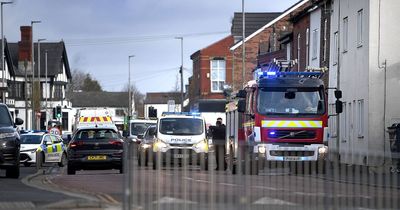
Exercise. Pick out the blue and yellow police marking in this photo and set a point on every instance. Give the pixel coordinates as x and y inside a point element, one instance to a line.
<point>291,124</point>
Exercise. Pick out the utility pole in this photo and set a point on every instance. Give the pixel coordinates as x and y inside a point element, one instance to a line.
<point>45,89</point>
<point>33,76</point>
<point>181,71</point>
<point>243,44</point>
<point>38,82</point>
<point>26,94</point>
<point>129,87</point>
<point>2,56</point>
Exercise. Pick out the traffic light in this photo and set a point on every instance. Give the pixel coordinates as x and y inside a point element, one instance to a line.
<point>152,112</point>
<point>58,112</point>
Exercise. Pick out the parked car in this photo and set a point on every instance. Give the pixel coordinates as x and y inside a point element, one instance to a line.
<point>146,145</point>
<point>48,147</point>
<point>9,143</point>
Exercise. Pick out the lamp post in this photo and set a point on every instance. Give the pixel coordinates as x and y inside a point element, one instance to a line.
<point>243,44</point>
<point>2,54</point>
<point>38,75</point>
<point>33,75</point>
<point>181,71</point>
<point>129,87</point>
<point>45,89</point>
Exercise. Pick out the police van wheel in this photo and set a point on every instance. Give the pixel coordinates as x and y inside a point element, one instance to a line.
<point>63,160</point>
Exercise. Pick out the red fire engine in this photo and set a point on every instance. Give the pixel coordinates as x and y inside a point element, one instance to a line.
<point>280,117</point>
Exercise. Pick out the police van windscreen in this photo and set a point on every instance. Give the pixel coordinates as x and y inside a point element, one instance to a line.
<point>181,126</point>
<point>139,128</point>
<point>31,139</point>
<point>289,101</point>
<point>96,135</point>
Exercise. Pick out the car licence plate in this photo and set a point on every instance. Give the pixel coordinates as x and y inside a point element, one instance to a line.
<point>291,158</point>
<point>181,155</point>
<point>97,157</point>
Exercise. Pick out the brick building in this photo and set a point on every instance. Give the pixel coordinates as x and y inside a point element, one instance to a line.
<point>262,41</point>
<point>212,69</point>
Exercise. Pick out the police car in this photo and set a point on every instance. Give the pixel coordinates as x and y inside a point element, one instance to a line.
<point>49,148</point>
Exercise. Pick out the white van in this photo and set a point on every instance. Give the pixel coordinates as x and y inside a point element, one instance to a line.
<point>181,138</point>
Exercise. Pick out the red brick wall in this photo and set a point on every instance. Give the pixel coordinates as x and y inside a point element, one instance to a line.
<point>201,83</point>
<point>300,27</point>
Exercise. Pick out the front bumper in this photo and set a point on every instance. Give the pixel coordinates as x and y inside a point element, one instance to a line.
<point>180,155</point>
<point>82,161</point>
<point>27,157</point>
<point>9,156</point>
<point>291,153</point>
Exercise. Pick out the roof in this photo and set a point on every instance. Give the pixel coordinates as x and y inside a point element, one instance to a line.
<point>253,21</point>
<point>286,12</point>
<point>56,57</point>
<point>98,99</point>
<point>162,97</point>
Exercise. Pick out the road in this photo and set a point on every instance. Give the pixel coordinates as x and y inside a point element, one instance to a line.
<point>276,188</point>
<point>191,188</point>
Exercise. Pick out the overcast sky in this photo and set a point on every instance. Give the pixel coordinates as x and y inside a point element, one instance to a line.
<point>101,34</point>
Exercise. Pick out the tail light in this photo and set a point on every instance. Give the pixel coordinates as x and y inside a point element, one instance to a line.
<point>76,144</point>
<point>116,142</point>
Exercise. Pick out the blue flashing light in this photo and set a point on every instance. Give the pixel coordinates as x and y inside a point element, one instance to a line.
<point>33,131</point>
<point>272,133</point>
<point>182,113</point>
<point>271,73</point>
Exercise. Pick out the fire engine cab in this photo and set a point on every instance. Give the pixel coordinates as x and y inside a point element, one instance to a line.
<point>280,116</point>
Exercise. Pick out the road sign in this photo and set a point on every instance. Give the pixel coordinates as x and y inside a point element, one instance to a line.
<point>171,105</point>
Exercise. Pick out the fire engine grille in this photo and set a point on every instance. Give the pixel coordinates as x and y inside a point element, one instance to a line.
<point>291,153</point>
<point>292,134</point>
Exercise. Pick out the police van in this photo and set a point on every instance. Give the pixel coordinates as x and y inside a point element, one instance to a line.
<point>181,138</point>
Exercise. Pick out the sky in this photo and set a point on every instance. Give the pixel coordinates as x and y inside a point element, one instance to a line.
<point>101,34</point>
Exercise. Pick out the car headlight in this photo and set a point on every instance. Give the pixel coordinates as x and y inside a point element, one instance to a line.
<point>8,135</point>
<point>30,150</point>
<point>261,149</point>
<point>158,145</point>
<point>323,150</point>
<point>202,145</point>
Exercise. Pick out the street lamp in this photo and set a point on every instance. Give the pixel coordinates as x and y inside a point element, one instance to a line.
<point>244,45</point>
<point>2,54</point>
<point>33,75</point>
<point>38,76</point>
<point>45,89</point>
<point>129,87</point>
<point>181,71</point>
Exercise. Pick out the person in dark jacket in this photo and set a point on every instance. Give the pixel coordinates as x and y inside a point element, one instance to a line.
<point>218,133</point>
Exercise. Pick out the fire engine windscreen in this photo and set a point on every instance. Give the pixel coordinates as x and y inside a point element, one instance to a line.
<point>288,101</point>
<point>181,126</point>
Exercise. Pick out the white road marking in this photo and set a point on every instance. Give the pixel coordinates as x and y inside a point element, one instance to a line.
<point>173,200</point>
<point>272,201</point>
<point>266,188</point>
<point>228,184</point>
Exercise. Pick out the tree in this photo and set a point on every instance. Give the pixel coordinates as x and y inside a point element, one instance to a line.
<point>82,81</point>
<point>90,84</point>
<point>138,99</point>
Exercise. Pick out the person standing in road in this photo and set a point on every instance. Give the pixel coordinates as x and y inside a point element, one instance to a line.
<point>218,137</point>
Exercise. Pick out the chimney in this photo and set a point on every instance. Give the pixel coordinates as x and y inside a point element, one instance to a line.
<point>25,45</point>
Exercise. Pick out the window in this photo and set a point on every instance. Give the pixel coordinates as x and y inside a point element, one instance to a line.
<point>119,112</point>
<point>325,39</point>
<point>360,118</point>
<point>28,90</point>
<point>315,44</point>
<point>335,48</point>
<point>217,75</point>
<point>359,28</point>
<point>58,92</point>
<point>345,33</point>
<point>45,90</point>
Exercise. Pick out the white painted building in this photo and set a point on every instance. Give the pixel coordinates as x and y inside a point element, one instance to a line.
<point>364,53</point>
<point>159,102</point>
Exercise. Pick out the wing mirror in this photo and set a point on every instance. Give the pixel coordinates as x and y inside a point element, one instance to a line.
<point>19,121</point>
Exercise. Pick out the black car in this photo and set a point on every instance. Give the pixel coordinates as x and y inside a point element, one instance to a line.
<point>9,143</point>
<point>146,145</point>
<point>95,148</point>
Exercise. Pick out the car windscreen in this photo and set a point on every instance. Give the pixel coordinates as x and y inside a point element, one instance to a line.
<point>289,101</point>
<point>31,139</point>
<point>181,126</point>
<point>96,135</point>
<point>139,128</point>
<point>5,119</point>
